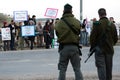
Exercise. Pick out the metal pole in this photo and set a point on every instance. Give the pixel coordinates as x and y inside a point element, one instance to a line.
<point>81,9</point>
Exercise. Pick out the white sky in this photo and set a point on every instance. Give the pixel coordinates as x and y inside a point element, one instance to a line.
<point>38,7</point>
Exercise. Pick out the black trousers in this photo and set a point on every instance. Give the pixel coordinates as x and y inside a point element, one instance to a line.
<point>32,39</point>
<point>6,45</point>
<point>104,63</point>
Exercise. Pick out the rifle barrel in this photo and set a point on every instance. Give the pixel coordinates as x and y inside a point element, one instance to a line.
<point>86,59</point>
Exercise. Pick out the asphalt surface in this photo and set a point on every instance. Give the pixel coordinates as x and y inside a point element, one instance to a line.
<point>41,64</point>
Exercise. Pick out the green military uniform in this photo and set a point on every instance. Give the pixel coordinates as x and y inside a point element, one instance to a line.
<point>64,31</point>
<point>69,41</point>
<point>103,35</point>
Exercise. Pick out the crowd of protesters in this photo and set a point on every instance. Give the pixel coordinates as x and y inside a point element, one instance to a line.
<point>44,34</point>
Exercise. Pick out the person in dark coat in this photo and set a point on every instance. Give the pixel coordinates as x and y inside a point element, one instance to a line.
<point>47,37</point>
<point>12,26</point>
<point>103,37</point>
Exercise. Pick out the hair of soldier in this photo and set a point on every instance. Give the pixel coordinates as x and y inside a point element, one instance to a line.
<point>102,12</point>
<point>67,8</point>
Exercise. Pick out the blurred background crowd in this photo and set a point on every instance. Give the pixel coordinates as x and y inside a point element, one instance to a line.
<point>44,33</point>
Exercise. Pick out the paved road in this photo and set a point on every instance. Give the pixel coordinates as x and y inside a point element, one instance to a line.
<point>42,63</point>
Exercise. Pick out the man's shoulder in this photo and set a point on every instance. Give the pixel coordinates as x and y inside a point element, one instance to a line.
<point>96,23</point>
<point>59,24</point>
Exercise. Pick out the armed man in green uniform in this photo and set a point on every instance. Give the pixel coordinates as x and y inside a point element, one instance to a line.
<point>68,43</point>
<point>103,37</point>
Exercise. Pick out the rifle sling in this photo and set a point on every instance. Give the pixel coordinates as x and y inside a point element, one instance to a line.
<point>70,26</point>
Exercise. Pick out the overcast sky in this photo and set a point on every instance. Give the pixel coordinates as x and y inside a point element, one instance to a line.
<point>38,7</point>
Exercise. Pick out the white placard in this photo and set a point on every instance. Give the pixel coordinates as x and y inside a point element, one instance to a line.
<point>20,15</point>
<point>5,32</point>
<point>51,12</point>
<point>28,30</point>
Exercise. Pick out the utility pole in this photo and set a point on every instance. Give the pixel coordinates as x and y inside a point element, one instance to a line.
<point>81,10</point>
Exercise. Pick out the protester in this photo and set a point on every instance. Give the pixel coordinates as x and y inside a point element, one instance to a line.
<point>34,19</point>
<point>52,32</point>
<point>26,23</point>
<point>117,27</point>
<point>31,38</point>
<point>103,37</point>
<point>47,37</point>
<point>40,37</point>
<point>84,34</point>
<point>6,43</point>
<point>19,37</point>
<point>68,43</point>
<point>12,26</point>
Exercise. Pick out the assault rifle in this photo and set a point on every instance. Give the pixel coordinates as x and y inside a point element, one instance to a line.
<point>90,53</point>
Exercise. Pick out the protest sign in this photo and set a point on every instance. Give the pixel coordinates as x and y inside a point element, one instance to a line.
<point>51,12</point>
<point>28,30</point>
<point>20,15</point>
<point>5,32</point>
